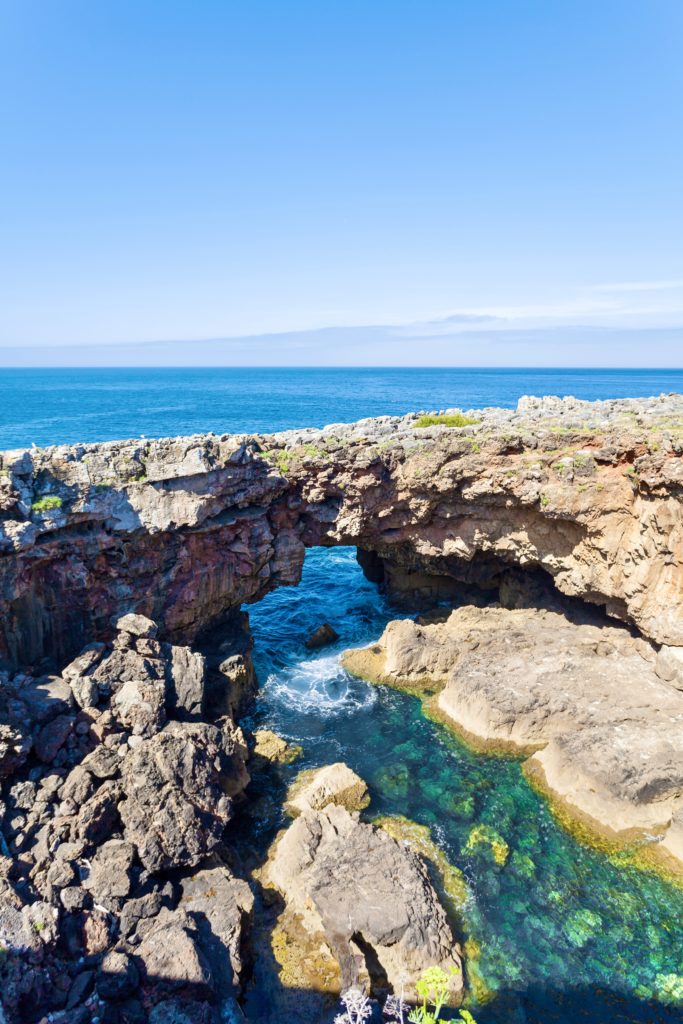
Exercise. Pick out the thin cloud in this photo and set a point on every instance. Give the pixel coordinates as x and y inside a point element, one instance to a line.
<point>638,286</point>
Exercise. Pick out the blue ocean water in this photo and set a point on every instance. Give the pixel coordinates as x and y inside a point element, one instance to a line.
<point>60,406</point>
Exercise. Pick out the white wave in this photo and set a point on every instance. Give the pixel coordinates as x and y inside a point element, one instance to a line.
<point>319,686</point>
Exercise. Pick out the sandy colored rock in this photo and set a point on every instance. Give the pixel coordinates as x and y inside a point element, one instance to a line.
<point>271,747</point>
<point>315,788</point>
<point>605,732</point>
<point>366,896</point>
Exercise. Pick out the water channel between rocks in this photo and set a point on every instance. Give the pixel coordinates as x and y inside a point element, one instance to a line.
<point>559,932</point>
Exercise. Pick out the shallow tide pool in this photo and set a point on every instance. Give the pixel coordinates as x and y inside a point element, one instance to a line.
<point>557,932</point>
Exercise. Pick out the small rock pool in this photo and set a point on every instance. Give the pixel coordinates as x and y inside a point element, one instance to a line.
<point>556,931</point>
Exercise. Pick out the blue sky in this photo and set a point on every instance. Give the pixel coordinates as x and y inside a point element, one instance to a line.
<point>439,181</point>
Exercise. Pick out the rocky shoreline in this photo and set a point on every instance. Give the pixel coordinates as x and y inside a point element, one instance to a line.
<point>556,532</point>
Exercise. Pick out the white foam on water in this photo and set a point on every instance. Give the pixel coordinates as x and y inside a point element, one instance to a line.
<point>319,686</point>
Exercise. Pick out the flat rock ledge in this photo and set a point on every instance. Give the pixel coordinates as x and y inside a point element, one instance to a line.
<point>598,711</point>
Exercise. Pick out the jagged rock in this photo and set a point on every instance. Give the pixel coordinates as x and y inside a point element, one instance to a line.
<point>98,815</point>
<point>220,906</point>
<point>53,736</point>
<point>46,698</point>
<point>117,976</point>
<point>366,895</point>
<point>333,784</point>
<point>139,707</point>
<point>606,730</point>
<point>175,809</point>
<point>321,637</point>
<point>109,877</point>
<point>170,955</point>
<point>137,625</point>
<point>14,749</point>
<point>185,681</point>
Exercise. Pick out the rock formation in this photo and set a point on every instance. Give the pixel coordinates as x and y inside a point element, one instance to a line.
<point>583,497</point>
<point>365,896</point>
<point>113,896</point>
<point>587,702</point>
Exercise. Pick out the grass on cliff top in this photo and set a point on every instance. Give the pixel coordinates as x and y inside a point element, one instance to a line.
<point>456,420</point>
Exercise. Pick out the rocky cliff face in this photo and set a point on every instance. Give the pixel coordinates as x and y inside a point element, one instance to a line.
<point>582,497</point>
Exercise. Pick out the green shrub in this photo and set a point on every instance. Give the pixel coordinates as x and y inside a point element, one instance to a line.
<point>456,420</point>
<point>47,504</point>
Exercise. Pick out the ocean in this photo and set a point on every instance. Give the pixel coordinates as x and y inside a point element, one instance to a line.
<point>68,406</point>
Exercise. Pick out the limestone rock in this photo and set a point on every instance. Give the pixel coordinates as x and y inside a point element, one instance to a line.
<point>333,784</point>
<point>669,666</point>
<point>587,701</point>
<point>366,895</point>
<point>273,748</point>
<point>137,625</point>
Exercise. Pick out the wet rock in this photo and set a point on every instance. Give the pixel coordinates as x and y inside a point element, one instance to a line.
<point>322,637</point>
<point>273,748</point>
<point>346,879</point>
<point>585,700</point>
<point>333,784</point>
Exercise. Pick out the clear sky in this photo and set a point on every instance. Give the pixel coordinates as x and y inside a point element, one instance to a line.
<point>442,180</point>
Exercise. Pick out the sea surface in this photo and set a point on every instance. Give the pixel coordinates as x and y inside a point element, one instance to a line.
<point>559,933</point>
<point>69,406</point>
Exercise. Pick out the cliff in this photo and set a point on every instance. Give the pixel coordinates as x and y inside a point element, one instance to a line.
<point>583,498</point>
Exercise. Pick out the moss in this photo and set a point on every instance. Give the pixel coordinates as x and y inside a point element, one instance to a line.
<point>280,458</point>
<point>455,420</point>
<point>49,503</point>
<point>544,500</point>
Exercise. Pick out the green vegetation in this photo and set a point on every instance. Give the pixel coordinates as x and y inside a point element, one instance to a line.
<point>545,500</point>
<point>485,835</point>
<point>280,458</point>
<point>432,989</point>
<point>47,504</point>
<point>456,420</point>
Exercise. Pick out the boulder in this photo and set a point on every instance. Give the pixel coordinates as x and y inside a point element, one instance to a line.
<point>333,784</point>
<point>220,906</point>
<point>669,666</point>
<point>175,808</point>
<point>137,625</point>
<point>273,748</point>
<point>185,681</point>
<point>14,749</point>
<point>138,706</point>
<point>117,976</point>
<point>367,896</point>
<point>109,877</point>
<point>322,637</point>
<point>170,956</point>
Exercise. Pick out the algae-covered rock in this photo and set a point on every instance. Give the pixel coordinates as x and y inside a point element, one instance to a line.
<point>273,748</point>
<point>485,835</point>
<point>315,788</point>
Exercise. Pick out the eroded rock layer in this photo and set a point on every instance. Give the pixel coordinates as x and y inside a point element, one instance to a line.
<point>586,496</point>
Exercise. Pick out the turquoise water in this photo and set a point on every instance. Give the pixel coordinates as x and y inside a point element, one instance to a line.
<point>565,933</point>
<point>67,406</point>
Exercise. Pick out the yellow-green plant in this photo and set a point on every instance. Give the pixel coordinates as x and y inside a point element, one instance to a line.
<point>432,989</point>
<point>455,420</point>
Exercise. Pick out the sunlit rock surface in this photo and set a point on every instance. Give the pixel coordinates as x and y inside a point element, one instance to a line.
<point>587,495</point>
